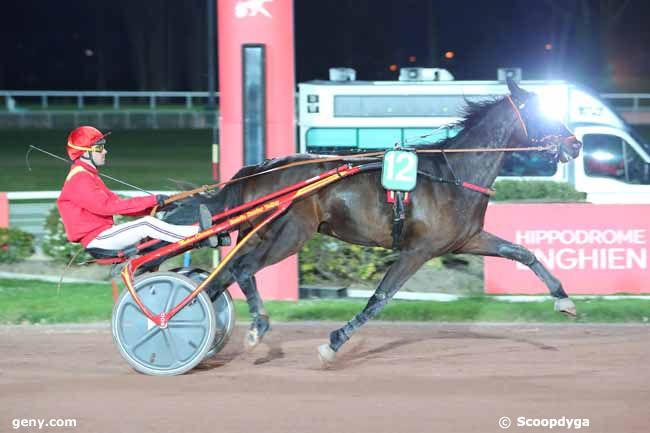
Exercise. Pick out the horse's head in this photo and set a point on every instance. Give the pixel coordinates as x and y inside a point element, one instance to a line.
<point>538,129</point>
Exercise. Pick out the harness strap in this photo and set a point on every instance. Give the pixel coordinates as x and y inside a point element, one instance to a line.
<point>521,120</point>
<point>399,215</point>
<point>483,190</point>
<point>390,197</point>
<point>468,185</point>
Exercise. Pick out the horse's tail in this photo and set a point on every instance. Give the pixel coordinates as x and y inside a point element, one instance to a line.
<point>230,195</point>
<point>187,210</point>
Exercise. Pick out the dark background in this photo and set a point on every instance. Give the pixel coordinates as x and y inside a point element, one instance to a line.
<point>161,44</point>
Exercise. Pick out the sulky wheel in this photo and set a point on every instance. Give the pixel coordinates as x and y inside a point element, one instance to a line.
<point>224,309</point>
<point>175,349</point>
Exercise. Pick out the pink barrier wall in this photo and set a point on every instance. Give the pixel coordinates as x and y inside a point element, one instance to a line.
<point>592,249</point>
<point>271,24</point>
<point>4,210</point>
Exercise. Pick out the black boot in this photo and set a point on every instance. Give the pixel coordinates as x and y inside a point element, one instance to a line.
<point>205,222</point>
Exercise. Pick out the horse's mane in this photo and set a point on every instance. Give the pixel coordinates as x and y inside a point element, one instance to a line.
<point>472,113</point>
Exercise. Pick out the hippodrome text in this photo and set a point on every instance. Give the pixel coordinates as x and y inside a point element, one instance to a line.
<point>577,249</point>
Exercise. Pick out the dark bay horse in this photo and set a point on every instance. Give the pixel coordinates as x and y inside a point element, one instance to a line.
<point>441,218</point>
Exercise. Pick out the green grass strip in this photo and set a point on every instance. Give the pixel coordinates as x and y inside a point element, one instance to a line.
<point>24,301</point>
<point>150,159</point>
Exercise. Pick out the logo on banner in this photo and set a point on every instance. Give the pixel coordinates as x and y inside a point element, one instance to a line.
<point>251,8</point>
<point>607,249</point>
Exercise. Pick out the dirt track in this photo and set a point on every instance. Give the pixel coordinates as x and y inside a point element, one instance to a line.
<point>395,378</point>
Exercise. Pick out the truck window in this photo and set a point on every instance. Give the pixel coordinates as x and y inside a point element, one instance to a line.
<point>527,164</point>
<point>612,157</point>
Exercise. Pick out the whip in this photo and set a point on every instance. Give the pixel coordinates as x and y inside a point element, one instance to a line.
<point>68,162</point>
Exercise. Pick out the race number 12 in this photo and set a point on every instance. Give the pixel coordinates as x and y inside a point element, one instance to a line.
<point>400,170</point>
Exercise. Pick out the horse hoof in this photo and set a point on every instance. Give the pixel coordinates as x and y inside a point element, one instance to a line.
<point>566,306</point>
<point>251,340</point>
<point>259,327</point>
<point>326,355</point>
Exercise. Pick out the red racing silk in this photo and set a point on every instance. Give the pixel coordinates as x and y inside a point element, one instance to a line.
<point>87,206</point>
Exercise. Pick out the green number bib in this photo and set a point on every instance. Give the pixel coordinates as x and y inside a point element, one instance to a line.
<point>400,170</point>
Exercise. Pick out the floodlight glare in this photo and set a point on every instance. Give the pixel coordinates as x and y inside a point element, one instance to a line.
<point>552,105</point>
<point>601,155</point>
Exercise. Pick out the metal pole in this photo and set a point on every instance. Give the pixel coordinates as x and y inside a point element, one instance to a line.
<point>212,107</point>
<point>211,14</point>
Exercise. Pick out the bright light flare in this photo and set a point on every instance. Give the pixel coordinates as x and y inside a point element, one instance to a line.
<point>602,156</point>
<point>553,104</point>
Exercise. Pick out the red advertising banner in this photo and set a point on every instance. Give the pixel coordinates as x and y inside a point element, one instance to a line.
<point>268,23</point>
<point>4,210</point>
<point>591,249</point>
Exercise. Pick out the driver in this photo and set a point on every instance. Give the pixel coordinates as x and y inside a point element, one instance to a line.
<point>87,206</point>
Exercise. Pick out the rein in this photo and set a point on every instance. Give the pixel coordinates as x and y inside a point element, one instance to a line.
<point>553,148</point>
<point>206,188</point>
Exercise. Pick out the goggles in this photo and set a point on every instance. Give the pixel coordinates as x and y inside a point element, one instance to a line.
<point>99,146</point>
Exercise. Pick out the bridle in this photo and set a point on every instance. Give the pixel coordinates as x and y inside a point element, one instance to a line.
<point>553,148</point>
<point>518,113</point>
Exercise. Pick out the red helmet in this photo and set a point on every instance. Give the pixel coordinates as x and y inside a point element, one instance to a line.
<point>84,139</point>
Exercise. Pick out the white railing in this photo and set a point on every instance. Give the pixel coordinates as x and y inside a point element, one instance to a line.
<point>30,216</point>
<point>109,119</point>
<point>635,101</point>
<point>147,98</point>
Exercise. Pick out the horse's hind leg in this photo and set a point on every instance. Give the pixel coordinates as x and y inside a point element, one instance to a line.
<point>399,272</point>
<point>286,237</point>
<point>238,272</point>
<point>260,324</point>
<point>487,244</point>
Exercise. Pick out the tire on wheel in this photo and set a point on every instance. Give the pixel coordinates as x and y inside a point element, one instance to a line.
<point>168,351</point>
<point>224,309</point>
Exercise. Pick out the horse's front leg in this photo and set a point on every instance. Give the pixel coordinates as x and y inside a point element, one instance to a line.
<point>399,272</point>
<point>487,244</point>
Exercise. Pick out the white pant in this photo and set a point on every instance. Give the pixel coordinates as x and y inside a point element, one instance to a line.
<point>124,235</point>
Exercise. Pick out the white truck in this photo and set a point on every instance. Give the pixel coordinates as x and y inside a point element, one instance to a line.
<point>613,167</point>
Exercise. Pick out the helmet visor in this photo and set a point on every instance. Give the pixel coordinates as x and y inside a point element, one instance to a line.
<point>99,146</point>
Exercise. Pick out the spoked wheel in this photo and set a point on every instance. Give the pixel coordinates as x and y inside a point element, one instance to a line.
<point>224,309</point>
<point>175,349</point>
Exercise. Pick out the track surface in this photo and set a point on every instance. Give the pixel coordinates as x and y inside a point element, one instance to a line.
<point>393,378</point>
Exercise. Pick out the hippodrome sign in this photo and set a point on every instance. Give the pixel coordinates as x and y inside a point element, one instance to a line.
<point>592,249</point>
